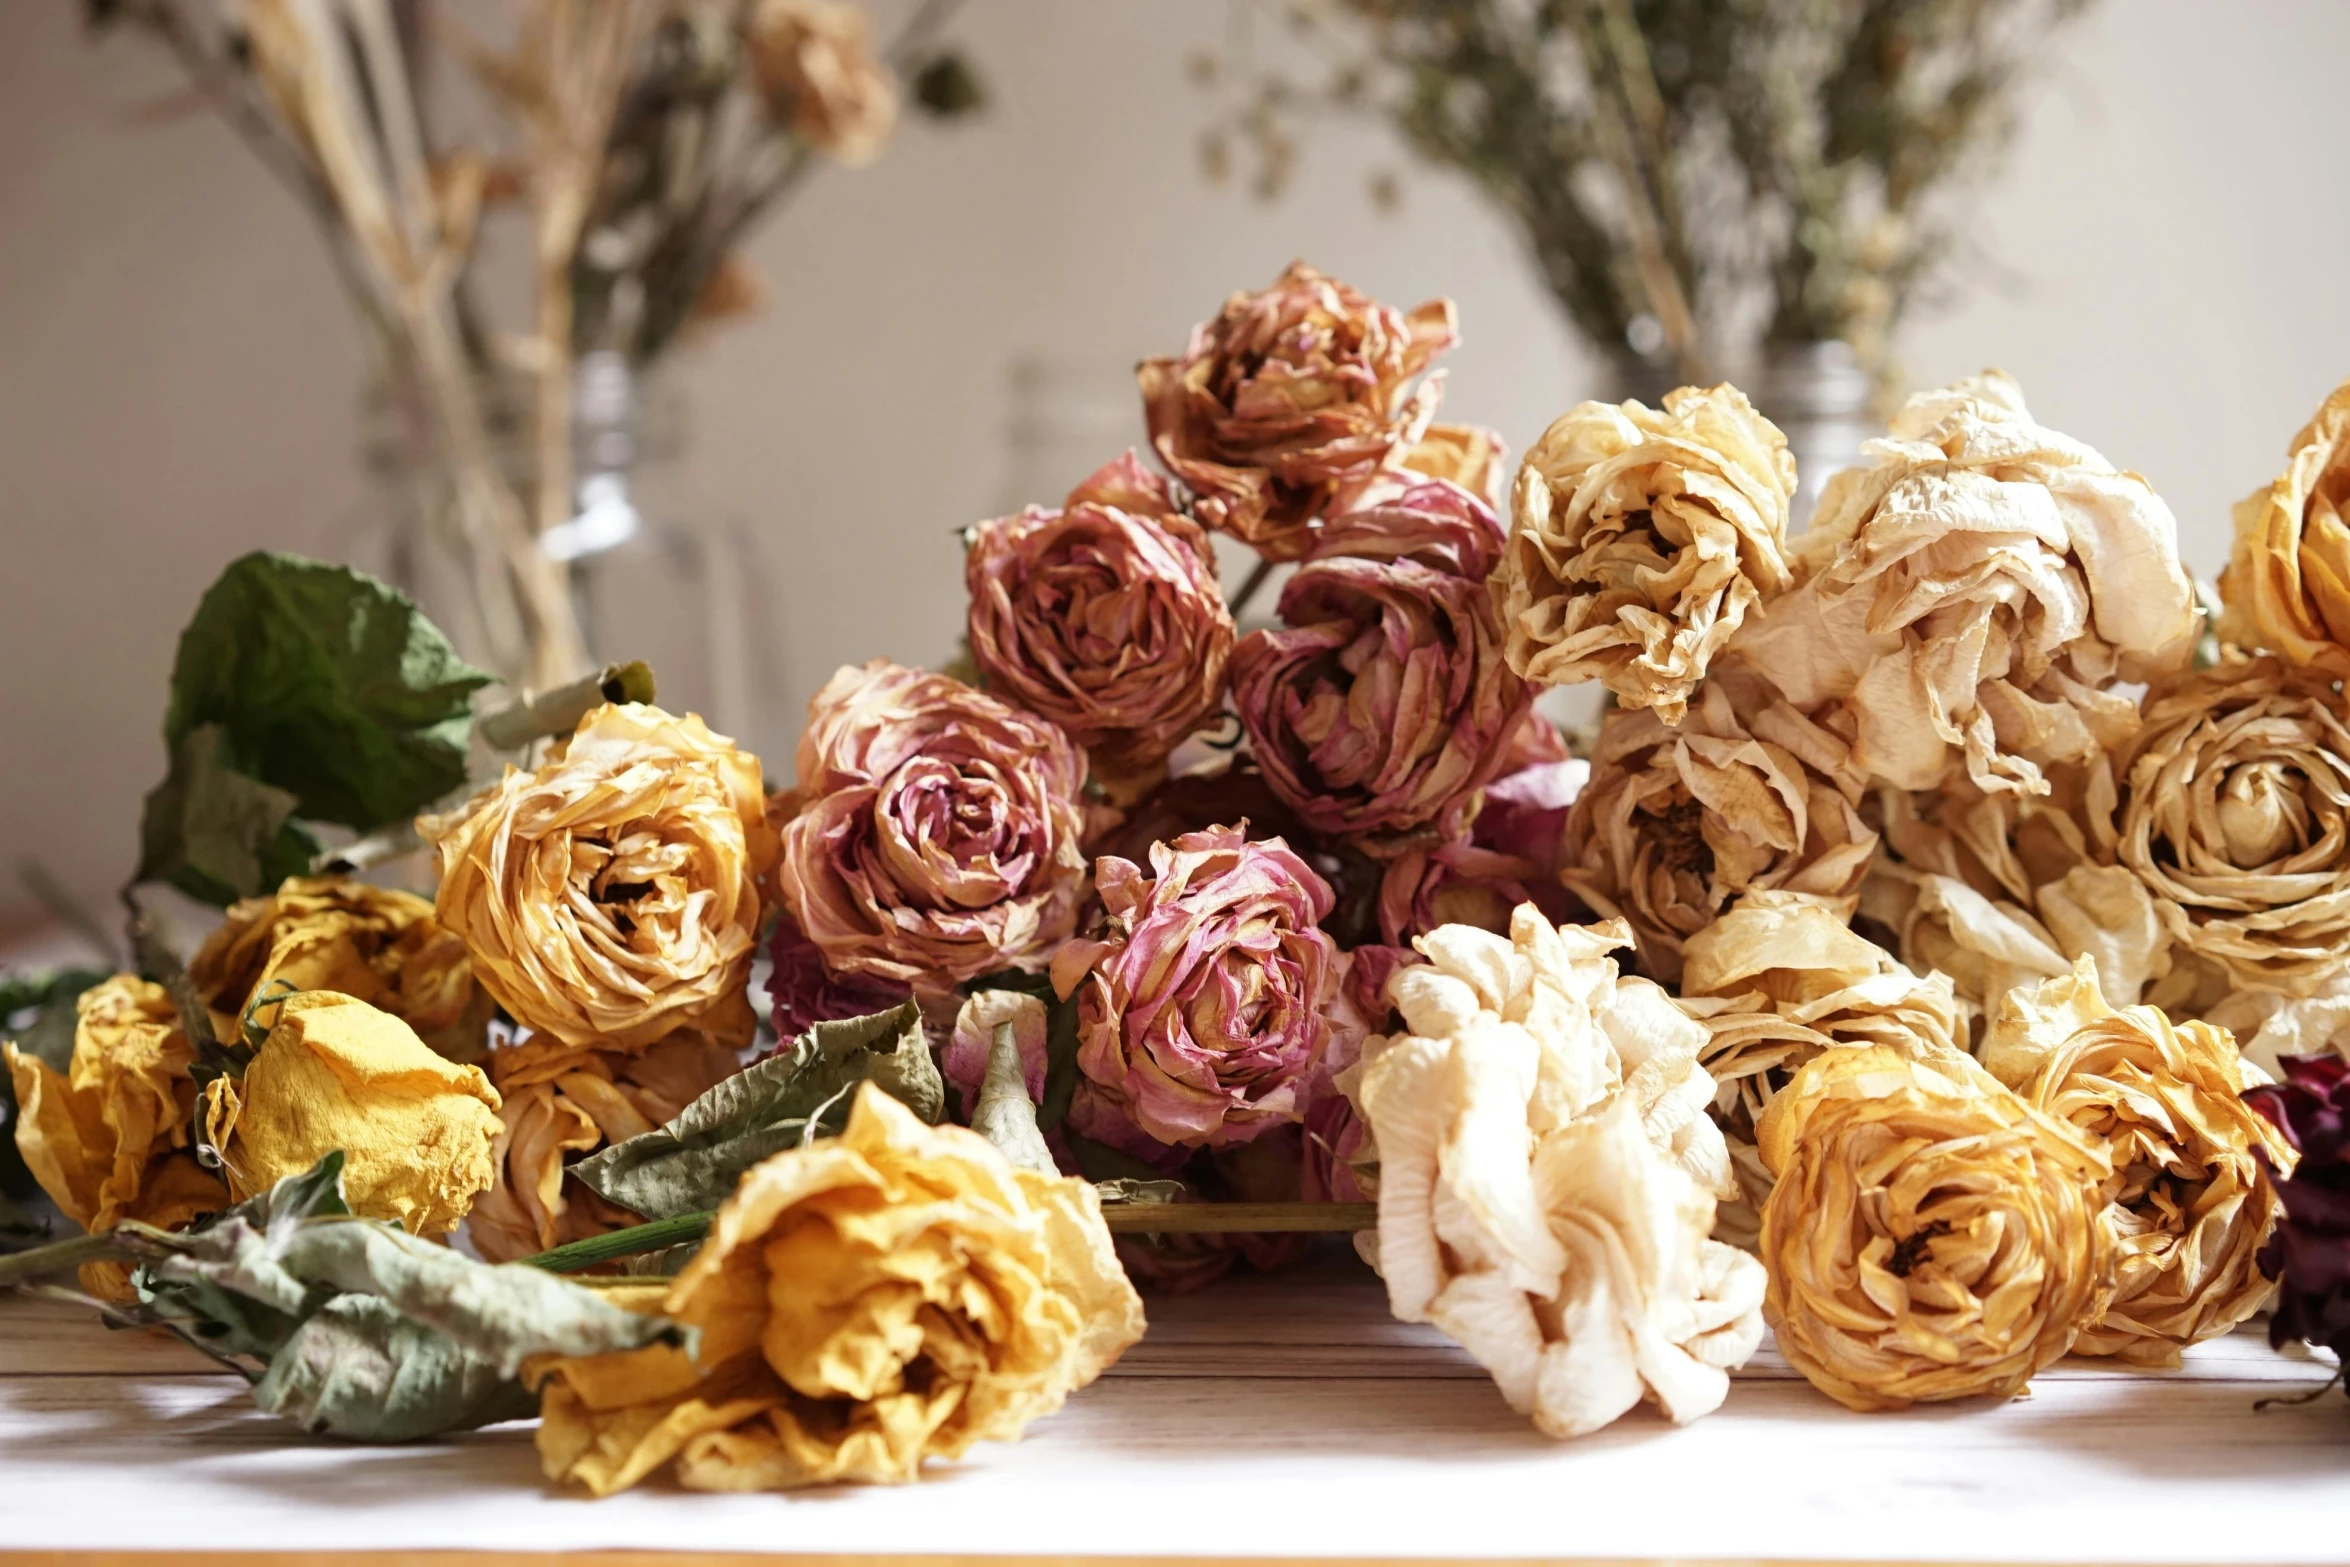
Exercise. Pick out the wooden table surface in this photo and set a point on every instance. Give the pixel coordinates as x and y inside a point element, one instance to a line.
<point>1263,1417</point>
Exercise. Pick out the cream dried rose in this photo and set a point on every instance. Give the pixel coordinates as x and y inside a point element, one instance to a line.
<point>1643,537</point>
<point>1288,394</point>
<point>1931,1236</point>
<point>2287,586</point>
<point>1676,822</point>
<point>2190,1203</point>
<point>814,62</point>
<point>1779,979</point>
<point>1973,594</point>
<point>2235,814</point>
<point>610,898</point>
<point>1546,1176</point>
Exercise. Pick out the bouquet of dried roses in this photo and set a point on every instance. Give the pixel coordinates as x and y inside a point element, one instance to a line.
<point>1873,978</point>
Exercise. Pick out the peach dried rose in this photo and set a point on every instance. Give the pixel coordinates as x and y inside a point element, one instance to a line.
<point>2287,586</point>
<point>939,833</point>
<point>1975,596</point>
<point>1930,1236</point>
<point>2190,1204</point>
<point>332,933</point>
<point>110,1138</point>
<point>334,1073</point>
<point>1643,538</point>
<point>1288,394</point>
<point>866,1303</point>
<point>1469,455</point>
<point>610,897</point>
<point>813,60</point>
<point>1104,615</point>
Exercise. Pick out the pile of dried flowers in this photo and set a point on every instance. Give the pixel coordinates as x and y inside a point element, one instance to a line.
<point>1880,984</point>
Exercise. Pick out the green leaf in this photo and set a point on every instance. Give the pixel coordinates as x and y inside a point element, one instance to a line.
<point>366,1331</point>
<point>693,1161</point>
<point>216,832</point>
<point>331,687</point>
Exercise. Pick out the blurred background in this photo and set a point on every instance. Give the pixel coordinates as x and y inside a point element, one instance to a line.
<point>2158,257</point>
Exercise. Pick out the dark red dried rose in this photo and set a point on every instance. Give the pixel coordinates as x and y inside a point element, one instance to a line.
<point>2308,1253</point>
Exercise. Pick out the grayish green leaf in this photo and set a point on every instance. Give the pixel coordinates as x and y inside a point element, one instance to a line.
<point>359,1369</point>
<point>214,831</point>
<point>691,1163</point>
<point>1126,1191</point>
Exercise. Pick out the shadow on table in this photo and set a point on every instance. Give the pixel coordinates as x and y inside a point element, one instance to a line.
<point>2203,1432</point>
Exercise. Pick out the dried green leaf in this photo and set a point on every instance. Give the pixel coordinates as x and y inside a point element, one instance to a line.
<point>692,1162</point>
<point>213,830</point>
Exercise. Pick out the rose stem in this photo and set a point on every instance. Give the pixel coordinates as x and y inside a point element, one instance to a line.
<point>1160,1218</point>
<point>58,1257</point>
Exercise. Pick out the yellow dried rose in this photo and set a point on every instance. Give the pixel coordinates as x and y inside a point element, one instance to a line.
<point>1931,1236</point>
<point>611,897</point>
<point>2287,586</point>
<point>865,1303</point>
<point>415,1129</point>
<point>2190,1206</point>
<point>110,1138</point>
<point>1677,822</point>
<point>555,1103</point>
<point>1777,980</point>
<point>1642,538</point>
<point>1470,455</point>
<point>330,933</point>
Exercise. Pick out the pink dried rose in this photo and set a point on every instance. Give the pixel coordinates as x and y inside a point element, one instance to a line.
<point>1104,615</point>
<point>1384,703</point>
<point>937,836</point>
<point>1286,395</point>
<point>1201,1011</point>
<point>803,992</point>
<point>1511,854</point>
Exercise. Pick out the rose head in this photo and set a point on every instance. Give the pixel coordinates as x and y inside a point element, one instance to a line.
<point>939,831</point>
<point>1285,395</point>
<point>1201,1011</point>
<point>2287,586</point>
<point>1104,616</point>
<point>1384,703</point>
<point>813,62</point>
<point>2308,1253</point>
<point>804,992</point>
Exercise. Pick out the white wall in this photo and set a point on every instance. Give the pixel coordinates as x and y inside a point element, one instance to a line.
<point>178,377</point>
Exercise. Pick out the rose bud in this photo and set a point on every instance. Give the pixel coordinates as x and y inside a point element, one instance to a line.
<point>1286,395</point>
<point>1104,616</point>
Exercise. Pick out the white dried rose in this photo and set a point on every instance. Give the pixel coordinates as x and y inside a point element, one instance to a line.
<point>1973,594</point>
<point>1782,978</point>
<point>1547,1176</point>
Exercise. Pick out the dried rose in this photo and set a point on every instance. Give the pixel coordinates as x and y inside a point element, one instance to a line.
<point>1104,616</point>
<point>1511,854</point>
<point>1288,394</point>
<point>334,1073</point>
<point>1643,538</point>
<point>803,992</point>
<point>110,1138</point>
<point>2189,1204</point>
<point>1202,1009</point>
<point>1973,594</point>
<point>610,898</point>
<point>1383,705</point>
<point>1931,1236</point>
<point>865,1304</point>
<point>939,836</point>
<point>2235,814</point>
<point>2287,586</point>
<point>1779,979</point>
<point>1470,455</point>
<point>814,63</point>
<point>557,1104</point>
<point>1546,1177</point>
<point>1677,822</point>
<point>2309,1252</point>
<point>330,933</point>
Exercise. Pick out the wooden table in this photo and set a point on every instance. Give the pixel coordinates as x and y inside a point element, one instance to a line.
<point>1264,1417</point>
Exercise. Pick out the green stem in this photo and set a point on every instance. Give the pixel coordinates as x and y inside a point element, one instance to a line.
<point>634,1241</point>
<point>60,1257</point>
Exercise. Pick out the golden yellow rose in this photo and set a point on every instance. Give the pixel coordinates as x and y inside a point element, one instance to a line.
<point>558,1103</point>
<point>865,1303</point>
<point>2190,1205</point>
<point>1931,1236</point>
<point>610,898</point>
<point>331,933</point>
<point>111,1137</point>
<point>415,1129</point>
<point>2287,586</point>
